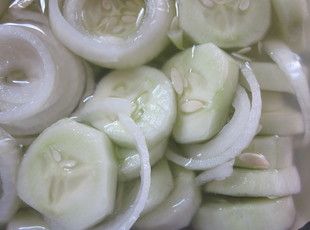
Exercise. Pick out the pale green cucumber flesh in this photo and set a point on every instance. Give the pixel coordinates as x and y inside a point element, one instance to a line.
<point>177,211</point>
<point>226,213</point>
<point>278,151</point>
<point>257,183</point>
<point>225,24</point>
<point>76,171</point>
<point>210,77</point>
<point>151,94</point>
<point>161,186</point>
<point>270,77</point>
<point>290,21</point>
<point>286,122</point>
<point>129,166</point>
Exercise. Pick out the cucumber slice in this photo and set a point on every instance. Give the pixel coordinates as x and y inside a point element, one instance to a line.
<point>228,213</point>
<point>161,186</point>
<point>177,211</point>
<point>278,151</point>
<point>205,79</point>
<point>152,99</point>
<point>271,78</point>
<point>225,23</point>
<point>287,122</point>
<point>27,219</point>
<point>10,155</point>
<point>290,21</point>
<point>129,167</point>
<point>274,101</point>
<point>257,183</point>
<point>76,171</point>
<point>113,33</point>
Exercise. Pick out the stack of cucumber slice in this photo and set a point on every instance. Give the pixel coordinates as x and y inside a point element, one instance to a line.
<point>264,177</point>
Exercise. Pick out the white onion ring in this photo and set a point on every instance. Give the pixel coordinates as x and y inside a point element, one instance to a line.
<point>10,156</point>
<point>52,70</point>
<point>124,221</point>
<point>111,51</point>
<point>243,140</point>
<point>290,64</point>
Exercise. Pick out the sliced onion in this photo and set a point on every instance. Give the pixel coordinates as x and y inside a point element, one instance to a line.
<point>290,64</point>
<point>124,221</point>
<point>17,13</point>
<point>230,132</point>
<point>220,172</point>
<point>10,155</point>
<point>44,97</point>
<point>248,133</point>
<point>107,50</point>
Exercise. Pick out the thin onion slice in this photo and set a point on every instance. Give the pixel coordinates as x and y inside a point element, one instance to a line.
<point>220,172</point>
<point>125,221</point>
<point>230,132</point>
<point>290,63</point>
<point>243,140</point>
<point>108,50</point>
<point>9,160</point>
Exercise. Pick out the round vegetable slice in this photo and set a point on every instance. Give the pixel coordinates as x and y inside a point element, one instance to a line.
<point>130,161</point>
<point>271,78</point>
<point>114,34</point>
<point>227,213</point>
<point>76,171</point>
<point>205,79</point>
<point>152,100</point>
<point>161,185</point>
<point>177,211</point>
<point>273,152</point>
<point>287,122</point>
<point>10,155</point>
<point>257,183</point>
<point>33,89</point>
<point>228,24</point>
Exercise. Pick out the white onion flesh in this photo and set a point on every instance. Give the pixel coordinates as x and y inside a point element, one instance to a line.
<point>220,172</point>
<point>31,105</point>
<point>10,155</point>
<point>111,51</point>
<point>124,221</point>
<point>290,64</point>
<point>248,133</point>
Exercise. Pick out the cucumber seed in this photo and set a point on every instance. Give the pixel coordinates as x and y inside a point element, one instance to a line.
<point>207,3</point>
<point>254,160</point>
<point>244,4</point>
<point>177,81</point>
<point>191,106</point>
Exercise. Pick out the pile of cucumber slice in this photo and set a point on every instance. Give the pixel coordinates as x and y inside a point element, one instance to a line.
<point>151,114</point>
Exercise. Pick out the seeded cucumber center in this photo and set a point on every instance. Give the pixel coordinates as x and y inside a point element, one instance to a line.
<point>119,18</point>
